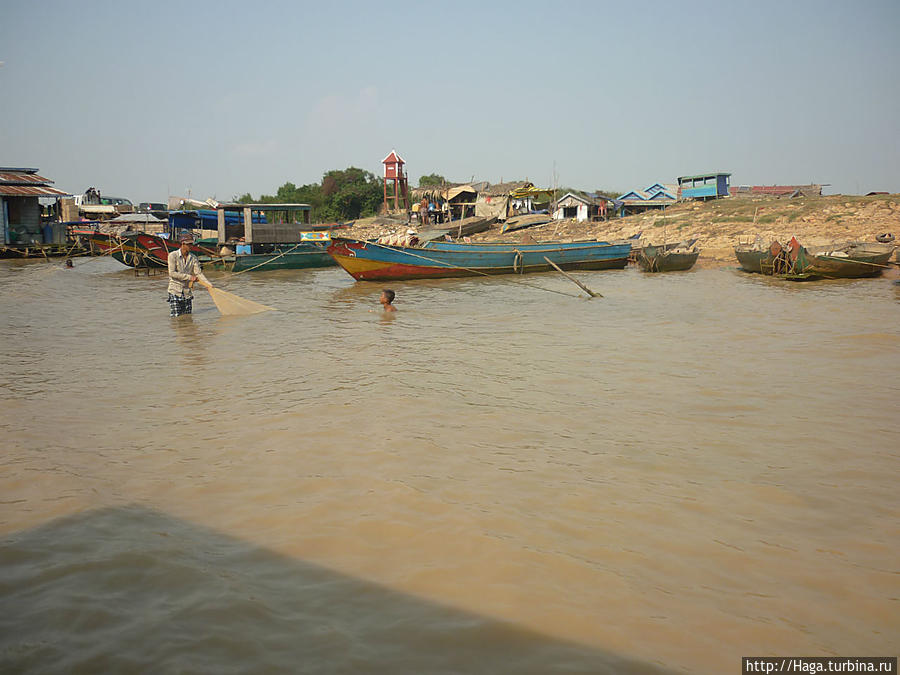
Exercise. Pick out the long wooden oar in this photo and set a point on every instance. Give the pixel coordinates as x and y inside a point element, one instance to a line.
<point>573,279</point>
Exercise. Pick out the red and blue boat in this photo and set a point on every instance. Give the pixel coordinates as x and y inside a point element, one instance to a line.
<point>139,249</point>
<point>373,261</point>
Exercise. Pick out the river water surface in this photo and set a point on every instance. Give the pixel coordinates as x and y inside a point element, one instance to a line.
<point>694,468</point>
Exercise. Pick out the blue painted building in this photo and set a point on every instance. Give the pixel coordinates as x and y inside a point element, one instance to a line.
<point>704,186</point>
<point>657,196</point>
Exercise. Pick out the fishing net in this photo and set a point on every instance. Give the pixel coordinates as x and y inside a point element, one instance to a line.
<point>230,304</point>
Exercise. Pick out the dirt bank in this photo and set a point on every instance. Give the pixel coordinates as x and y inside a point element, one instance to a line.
<point>718,225</point>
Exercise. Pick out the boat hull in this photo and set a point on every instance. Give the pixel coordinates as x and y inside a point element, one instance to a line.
<point>140,249</point>
<point>751,261</point>
<point>310,256</point>
<point>848,268</point>
<point>797,263</point>
<point>652,259</point>
<point>368,261</point>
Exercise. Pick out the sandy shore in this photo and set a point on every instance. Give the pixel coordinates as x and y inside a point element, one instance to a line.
<point>718,225</point>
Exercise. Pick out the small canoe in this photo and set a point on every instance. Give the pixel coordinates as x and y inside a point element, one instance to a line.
<point>752,259</point>
<point>658,259</point>
<point>456,229</point>
<point>521,222</point>
<point>636,250</point>
<point>850,261</point>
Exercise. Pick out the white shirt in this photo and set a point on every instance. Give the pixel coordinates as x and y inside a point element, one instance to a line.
<point>181,269</point>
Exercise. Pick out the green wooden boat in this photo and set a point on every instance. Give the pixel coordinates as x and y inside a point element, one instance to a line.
<point>752,259</point>
<point>850,261</point>
<point>795,262</point>
<point>663,259</point>
<point>270,257</point>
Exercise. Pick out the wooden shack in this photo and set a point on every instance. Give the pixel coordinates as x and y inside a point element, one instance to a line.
<point>20,209</point>
<point>284,226</point>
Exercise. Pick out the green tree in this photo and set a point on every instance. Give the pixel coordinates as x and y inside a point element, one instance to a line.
<point>432,180</point>
<point>345,194</point>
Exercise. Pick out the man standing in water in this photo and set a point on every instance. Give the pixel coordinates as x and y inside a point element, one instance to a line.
<point>387,297</point>
<point>184,269</point>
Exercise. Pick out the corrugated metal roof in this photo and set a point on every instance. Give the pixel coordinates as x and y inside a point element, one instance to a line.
<point>22,178</point>
<point>31,191</point>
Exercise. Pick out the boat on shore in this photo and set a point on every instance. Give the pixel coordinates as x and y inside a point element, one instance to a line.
<point>678,258</point>
<point>795,262</point>
<point>851,261</point>
<point>522,222</point>
<point>753,258</point>
<point>636,250</point>
<point>457,229</point>
<point>372,261</point>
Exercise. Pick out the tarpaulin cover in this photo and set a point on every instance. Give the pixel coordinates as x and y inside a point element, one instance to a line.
<point>491,207</point>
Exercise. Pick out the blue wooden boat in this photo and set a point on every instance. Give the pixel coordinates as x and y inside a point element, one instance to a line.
<point>371,261</point>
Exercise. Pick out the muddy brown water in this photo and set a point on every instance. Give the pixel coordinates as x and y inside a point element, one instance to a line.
<point>695,468</point>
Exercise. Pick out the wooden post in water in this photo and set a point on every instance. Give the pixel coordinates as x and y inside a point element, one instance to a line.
<point>248,225</point>
<point>220,223</point>
<point>573,279</point>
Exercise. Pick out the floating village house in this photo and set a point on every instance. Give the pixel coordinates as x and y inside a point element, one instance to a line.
<point>20,210</point>
<point>581,207</point>
<point>704,186</point>
<point>657,196</point>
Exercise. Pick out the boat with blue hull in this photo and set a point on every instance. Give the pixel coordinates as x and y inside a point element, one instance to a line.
<point>372,261</point>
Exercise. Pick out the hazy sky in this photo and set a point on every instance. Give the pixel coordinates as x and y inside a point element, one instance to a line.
<point>145,99</point>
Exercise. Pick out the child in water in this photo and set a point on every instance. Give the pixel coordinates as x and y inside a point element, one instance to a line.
<point>387,297</point>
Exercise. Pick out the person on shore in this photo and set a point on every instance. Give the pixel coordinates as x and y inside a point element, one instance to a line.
<point>423,211</point>
<point>387,297</point>
<point>184,270</point>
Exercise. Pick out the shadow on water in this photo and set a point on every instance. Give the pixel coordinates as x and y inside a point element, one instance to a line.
<point>130,588</point>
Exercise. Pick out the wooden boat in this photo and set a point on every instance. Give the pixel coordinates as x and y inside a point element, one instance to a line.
<point>141,250</point>
<point>663,259</point>
<point>41,251</point>
<point>795,262</point>
<point>370,261</point>
<point>636,250</point>
<point>521,222</point>
<point>457,229</point>
<point>752,258</point>
<point>269,257</point>
<point>123,249</point>
<point>850,261</point>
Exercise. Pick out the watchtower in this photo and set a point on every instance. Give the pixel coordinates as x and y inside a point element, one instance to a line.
<point>395,176</point>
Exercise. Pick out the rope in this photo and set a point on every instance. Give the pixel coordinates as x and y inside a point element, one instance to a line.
<point>474,271</point>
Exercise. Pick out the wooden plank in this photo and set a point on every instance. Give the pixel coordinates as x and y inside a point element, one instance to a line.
<point>220,220</point>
